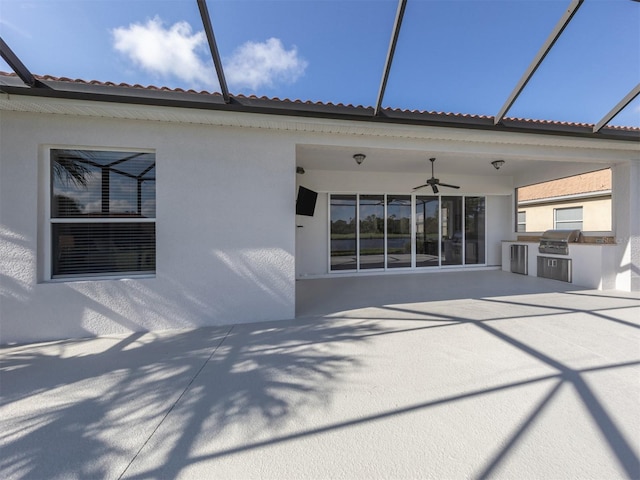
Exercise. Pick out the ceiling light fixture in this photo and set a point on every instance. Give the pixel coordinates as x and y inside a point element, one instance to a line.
<point>497,164</point>
<point>359,158</point>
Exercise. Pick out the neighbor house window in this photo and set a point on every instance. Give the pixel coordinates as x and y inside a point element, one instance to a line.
<point>568,218</point>
<point>102,215</point>
<point>522,222</point>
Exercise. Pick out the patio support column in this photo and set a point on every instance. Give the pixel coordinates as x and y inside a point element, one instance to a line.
<point>626,224</point>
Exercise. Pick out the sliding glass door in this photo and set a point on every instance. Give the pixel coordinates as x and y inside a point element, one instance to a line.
<point>474,230</point>
<point>383,232</point>
<point>398,231</point>
<point>371,231</point>
<point>427,231</point>
<point>451,231</point>
<point>343,211</point>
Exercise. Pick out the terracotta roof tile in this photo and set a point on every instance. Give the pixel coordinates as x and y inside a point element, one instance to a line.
<point>593,182</point>
<point>319,103</point>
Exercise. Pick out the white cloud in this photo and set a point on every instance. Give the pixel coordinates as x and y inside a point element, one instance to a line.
<point>169,52</point>
<point>263,64</point>
<point>121,205</point>
<point>176,51</point>
<point>149,208</point>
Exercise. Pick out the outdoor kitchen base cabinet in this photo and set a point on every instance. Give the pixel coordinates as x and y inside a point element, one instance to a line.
<point>555,268</point>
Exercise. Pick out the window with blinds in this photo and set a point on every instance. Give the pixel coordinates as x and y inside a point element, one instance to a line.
<point>522,222</point>
<point>103,213</point>
<point>568,218</point>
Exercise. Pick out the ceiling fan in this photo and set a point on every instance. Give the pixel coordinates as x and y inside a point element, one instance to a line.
<point>434,182</point>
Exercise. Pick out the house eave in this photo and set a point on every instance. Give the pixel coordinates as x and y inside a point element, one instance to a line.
<point>132,95</point>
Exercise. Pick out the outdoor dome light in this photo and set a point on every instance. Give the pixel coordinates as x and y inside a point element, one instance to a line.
<point>497,164</point>
<point>359,158</point>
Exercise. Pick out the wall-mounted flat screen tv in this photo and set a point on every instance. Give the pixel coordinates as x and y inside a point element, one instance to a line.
<point>306,203</point>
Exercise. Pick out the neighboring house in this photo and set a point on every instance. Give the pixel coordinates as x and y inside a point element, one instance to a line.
<point>580,202</point>
<point>125,208</point>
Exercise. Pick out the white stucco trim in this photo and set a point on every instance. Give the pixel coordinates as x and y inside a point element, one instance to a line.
<point>589,147</point>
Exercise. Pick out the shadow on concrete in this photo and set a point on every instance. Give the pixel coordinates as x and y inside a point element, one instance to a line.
<point>563,376</point>
<point>70,412</point>
<point>324,296</point>
<point>139,406</point>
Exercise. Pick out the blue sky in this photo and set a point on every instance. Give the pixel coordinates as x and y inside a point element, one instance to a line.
<point>462,56</point>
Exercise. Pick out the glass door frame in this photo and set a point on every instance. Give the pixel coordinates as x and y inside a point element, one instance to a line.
<point>413,235</point>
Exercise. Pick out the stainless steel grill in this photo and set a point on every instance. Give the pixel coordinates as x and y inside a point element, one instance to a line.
<point>557,241</point>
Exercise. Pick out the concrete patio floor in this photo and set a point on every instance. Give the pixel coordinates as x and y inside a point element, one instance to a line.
<point>458,375</point>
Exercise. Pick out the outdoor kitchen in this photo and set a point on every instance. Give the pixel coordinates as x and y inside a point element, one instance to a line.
<point>564,255</point>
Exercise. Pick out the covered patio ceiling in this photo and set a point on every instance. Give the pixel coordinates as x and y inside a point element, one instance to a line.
<point>522,168</point>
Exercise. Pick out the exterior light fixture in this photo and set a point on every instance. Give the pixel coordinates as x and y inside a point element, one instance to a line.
<point>497,164</point>
<point>300,170</point>
<point>359,158</point>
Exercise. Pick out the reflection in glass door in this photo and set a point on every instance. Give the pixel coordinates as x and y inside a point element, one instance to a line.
<point>371,231</point>
<point>427,231</point>
<point>343,232</point>
<point>376,231</point>
<point>474,230</point>
<point>451,231</point>
<point>398,231</point>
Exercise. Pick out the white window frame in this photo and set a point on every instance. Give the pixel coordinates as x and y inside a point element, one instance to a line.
<point>558,224</point>
<point>49,221</point>
<point>523,223</point>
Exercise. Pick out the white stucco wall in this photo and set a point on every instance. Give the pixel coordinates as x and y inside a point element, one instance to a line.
<point>228,246</point>
<point>225,230</point>
<point>626,222</point>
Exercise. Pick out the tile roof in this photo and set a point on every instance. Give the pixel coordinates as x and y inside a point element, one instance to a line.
<point>458,117</point>
<point>592,182</point>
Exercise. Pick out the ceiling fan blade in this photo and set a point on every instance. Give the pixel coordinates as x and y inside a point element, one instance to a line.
<point>434,182</point>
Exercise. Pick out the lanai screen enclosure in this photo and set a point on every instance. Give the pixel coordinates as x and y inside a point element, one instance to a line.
<point>130,208</point>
